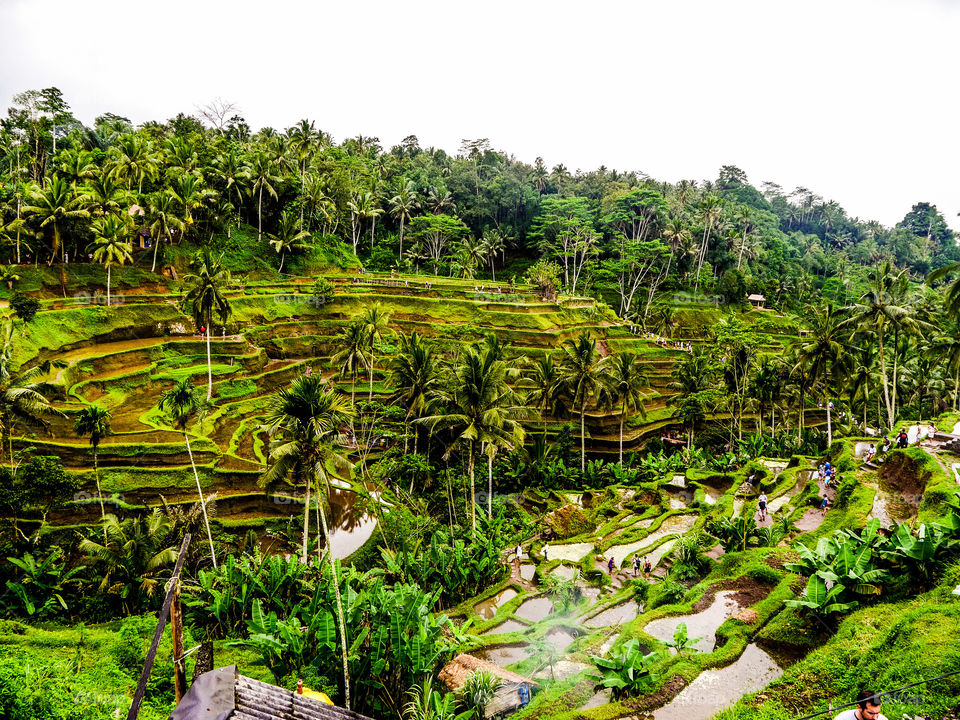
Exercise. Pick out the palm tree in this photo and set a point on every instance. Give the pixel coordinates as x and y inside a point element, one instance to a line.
<point>882,308</point>
<point>363,207</point>
<point>402,205</point>
<point>262,177</point>
<point>162,220</point>
<point>693,379</point>
<point>53,206</point>
<point>946,348</point>
<point>23,397</point>
<point>110,245</point>
<point>824,353</point>
<point>352,356</point>
<point>132,555</point>
<point>766,388</point>
<point>102,196</point>
<point>289,236</point>
<point>416,378</point>
<point>374,321</point>
<point>181,403</point>
<point>491,244</point>
<point>205,299</point>
<point>134,159</point>
<point>710,208</point>
<point>479,408</point>
<point>189,191</point>
<point>543,379</point>
<point>306,420</point>
<point>582,377</point>
<point>94,421</point>
<point>624,386</point>
<point>8,275</point>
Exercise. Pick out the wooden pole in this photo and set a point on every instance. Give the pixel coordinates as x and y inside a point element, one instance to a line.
<point>158,633</point>
<point>176,627</point>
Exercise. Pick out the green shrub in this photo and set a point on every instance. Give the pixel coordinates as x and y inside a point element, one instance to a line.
<point>667,592</point>
<point>127,650</point>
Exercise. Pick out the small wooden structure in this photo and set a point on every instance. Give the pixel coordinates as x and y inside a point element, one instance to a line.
<point>507,699</point>
<point>756,300</point>
<point>224,694</point>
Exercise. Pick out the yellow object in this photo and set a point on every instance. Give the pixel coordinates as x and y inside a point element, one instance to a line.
<point>314,695</point>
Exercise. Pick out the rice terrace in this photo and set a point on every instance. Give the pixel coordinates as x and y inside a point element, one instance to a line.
<point>296,426</point>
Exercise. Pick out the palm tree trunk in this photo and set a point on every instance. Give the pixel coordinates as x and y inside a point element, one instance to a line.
<point>260,213</point>
<point>401,237</point>
<point>829,426</point>
<point>583,444</point>
<point>956,382</point>
<point>370,396</point>
<point>623,414</point>
<point>489,485</point>
<point>203,507</point>
<point>886,387</point>
<point>473,494</point>
<point>336,592</point>
<point>209,367</point>
<point>96,478</point>
<point>156,245</point>
<point>108,284</point>
<point>306,523</point>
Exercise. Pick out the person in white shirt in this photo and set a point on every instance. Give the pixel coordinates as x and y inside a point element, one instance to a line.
<point>868,708</point>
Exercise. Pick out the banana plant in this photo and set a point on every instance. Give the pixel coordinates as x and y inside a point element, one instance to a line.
<point>681,641</point>
<point>44,581</point>
<point>817,599</point>
<point>626,670</point>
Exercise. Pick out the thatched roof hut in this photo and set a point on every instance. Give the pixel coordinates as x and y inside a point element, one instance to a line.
<point>507,699</point>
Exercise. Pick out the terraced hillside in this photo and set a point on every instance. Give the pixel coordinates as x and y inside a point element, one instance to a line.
<point>125,356</point>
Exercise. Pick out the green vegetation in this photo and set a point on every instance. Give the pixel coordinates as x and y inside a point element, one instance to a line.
<point>586,339</point>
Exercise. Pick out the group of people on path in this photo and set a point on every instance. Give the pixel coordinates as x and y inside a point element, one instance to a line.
<point>611,564</point>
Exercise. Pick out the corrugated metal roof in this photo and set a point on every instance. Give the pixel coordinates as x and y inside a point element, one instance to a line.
<point>224,694</point>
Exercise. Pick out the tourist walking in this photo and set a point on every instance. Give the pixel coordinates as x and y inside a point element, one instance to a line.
<point>636,565</point>
<point>611,565</point>
<point>762,504</point>
<point>646,567</point>
<point>868,708</point>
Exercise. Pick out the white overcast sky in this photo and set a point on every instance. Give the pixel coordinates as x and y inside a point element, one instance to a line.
<point>855,100</point>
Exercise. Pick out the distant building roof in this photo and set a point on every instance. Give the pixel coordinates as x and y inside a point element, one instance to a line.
<point>224,694</point>
<point>756,298</point>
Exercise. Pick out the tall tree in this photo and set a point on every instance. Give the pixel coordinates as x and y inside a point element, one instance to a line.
<point>181,404</point>
<point>352,356</point>
<point>375,322</point>
<point>304,421</point>
<point>94,421</point>
<point>481,411</point>
<point>625,384</point>
<point>289,237</point>
<point>111,245</point>
<point>402,205</point>
<point>53,207</point>
<point>825,353</point>
<point>205,299</point>
<point>263,176</point>
<point>416,378</point>
<point>583,376</point>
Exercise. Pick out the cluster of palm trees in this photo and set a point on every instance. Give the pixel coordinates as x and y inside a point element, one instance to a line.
<point>480,399</point>
<point>896,345</point>
<point>88,192</point>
